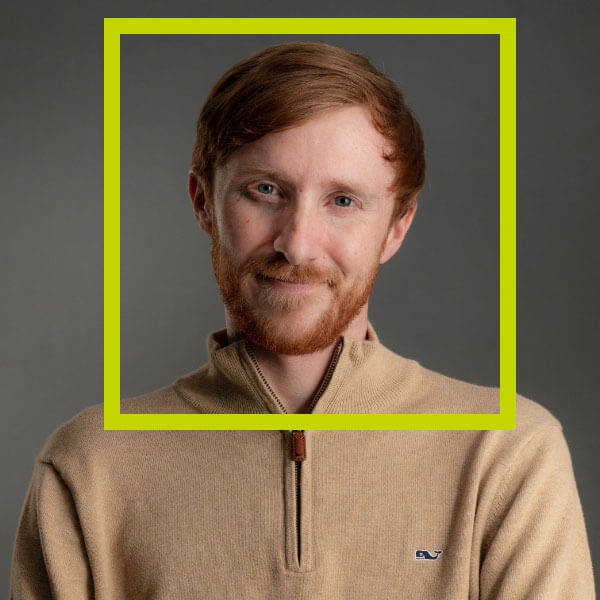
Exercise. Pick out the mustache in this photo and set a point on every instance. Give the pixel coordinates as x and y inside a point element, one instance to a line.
<point>276,267</point>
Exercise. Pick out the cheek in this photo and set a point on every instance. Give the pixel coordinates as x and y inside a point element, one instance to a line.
<point>242,232</point>
<point>358,251</point>
<point>350,254</point>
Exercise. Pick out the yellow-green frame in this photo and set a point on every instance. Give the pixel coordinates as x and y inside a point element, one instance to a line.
<point>504,28</point>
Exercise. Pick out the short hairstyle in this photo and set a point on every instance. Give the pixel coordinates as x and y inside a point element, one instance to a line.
<point>287,84</point>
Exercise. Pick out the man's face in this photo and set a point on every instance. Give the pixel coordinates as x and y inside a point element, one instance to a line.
<point>299,225</point>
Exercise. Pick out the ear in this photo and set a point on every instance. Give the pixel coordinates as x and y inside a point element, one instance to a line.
<point>396,234</point>
<point>202,208</point>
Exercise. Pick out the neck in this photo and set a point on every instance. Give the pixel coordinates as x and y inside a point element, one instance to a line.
<point>296,379</point>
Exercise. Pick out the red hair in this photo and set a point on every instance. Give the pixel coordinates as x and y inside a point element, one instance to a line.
<point>284,85</point>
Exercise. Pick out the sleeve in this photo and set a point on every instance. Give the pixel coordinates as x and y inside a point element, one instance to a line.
<point>537,547</point>
<point>49,557</point>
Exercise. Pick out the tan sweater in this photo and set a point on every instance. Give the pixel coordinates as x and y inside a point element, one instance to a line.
<point>412,515</point>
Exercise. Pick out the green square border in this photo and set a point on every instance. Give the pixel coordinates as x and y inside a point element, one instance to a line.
<point>505,28</point>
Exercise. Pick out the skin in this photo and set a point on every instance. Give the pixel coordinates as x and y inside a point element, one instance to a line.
<point>311,205</point>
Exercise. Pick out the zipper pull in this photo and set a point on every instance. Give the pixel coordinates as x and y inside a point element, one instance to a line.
<point>298,446</point>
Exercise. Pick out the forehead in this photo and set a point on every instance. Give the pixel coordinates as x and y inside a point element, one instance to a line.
<point>341,146</point>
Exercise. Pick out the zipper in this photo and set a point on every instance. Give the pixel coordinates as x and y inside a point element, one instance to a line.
<point>263,378</point>
<point>298,455</point>
<point>298,439</point>
<point>322,387</point>
<point>328,375</point>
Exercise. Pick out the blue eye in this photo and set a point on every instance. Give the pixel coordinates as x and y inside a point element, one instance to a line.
<point>343,201</point>
<point>265,188</point>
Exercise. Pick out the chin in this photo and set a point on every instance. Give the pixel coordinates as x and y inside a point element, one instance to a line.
<point>294,333</point>
<point>294,345</point>
<point>295,322</point>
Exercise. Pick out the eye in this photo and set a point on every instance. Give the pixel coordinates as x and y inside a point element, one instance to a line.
<point>266,188</point>
<point>343,201</point>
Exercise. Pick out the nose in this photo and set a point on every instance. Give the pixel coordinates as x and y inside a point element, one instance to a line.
<point>297,235</point>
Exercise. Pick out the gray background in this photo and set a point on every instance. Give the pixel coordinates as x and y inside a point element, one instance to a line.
<point>436,301</point>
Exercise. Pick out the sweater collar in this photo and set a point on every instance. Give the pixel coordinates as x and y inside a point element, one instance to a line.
<point>230,382</point>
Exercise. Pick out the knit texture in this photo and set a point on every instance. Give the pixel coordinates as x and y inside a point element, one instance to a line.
<point>228,514</point>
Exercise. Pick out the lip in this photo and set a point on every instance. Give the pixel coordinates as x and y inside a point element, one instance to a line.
<point>290,286</point>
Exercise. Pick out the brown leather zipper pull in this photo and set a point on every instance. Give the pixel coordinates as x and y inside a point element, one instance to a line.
<point>298,445</point>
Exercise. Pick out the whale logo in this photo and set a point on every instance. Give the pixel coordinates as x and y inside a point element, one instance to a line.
<point>424,555</point>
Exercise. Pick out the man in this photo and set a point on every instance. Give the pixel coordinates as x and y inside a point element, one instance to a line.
<point>305,174</point>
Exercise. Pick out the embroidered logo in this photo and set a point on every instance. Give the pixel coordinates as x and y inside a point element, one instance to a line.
<point>424,555</point>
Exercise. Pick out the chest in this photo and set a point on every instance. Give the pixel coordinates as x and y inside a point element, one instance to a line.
<point>356,511</point>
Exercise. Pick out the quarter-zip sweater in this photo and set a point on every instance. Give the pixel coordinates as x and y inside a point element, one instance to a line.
<point>450,515</point>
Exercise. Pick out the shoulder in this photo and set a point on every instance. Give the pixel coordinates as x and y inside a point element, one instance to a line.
<point>532,417</point>
<point>162,401</point>
<point>83,436</point>
<point>75,438</point>
<point>465,397</point>
<point>419,390</point>
<point>455,395</point>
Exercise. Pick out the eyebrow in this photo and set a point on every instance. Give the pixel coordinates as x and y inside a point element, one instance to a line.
<point>270,173</point>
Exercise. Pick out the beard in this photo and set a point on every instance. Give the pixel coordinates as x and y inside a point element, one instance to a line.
<point>275,319</point>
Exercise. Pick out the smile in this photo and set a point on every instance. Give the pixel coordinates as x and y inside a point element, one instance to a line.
<point>290,285</point>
